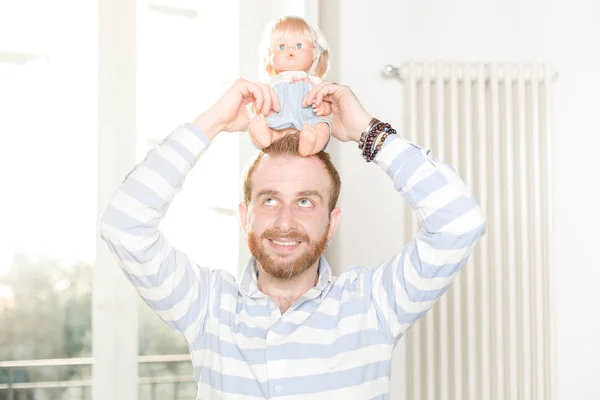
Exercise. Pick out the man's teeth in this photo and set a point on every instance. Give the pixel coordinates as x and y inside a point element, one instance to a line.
<point>285,243</point>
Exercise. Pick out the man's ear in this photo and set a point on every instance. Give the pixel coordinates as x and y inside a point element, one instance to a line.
<point>243,210</point>
<point>334,219</point>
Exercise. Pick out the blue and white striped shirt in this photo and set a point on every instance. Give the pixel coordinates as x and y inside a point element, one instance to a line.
<point>336,341</point>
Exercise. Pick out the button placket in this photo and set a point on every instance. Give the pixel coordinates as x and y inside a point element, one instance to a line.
<point>269,343</point>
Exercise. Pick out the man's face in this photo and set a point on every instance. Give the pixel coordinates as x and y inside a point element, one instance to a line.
<point>287,222</point>
<point>292,53</point>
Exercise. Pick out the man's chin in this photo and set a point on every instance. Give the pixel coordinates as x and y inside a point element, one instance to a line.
<point>285,258</point>
<point>285,261</point>
<point>281,269</point>
<point>284,266</point>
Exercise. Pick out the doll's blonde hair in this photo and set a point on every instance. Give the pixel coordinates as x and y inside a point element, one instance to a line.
<point>296,26</point>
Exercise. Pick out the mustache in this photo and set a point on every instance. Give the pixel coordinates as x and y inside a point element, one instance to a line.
<point>292,236</point>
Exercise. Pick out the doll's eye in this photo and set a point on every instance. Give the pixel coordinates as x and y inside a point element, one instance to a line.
<point>298,45</point>
<point>282,47</point>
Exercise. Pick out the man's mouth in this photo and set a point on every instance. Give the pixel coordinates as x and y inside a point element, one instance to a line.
<point>284,245</point>
<point>284,242</point>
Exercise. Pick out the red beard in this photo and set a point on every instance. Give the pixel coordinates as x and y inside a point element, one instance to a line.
<point>286,268</point>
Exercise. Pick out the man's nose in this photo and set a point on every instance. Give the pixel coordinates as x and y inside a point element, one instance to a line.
<point>286,220</point>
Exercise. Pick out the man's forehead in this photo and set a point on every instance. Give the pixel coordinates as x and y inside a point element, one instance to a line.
<point>290,174</point>
<point>292,162</point>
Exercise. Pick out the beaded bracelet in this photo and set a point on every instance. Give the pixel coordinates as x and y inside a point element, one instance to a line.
<point>365,133</point>
<point>382,138</point>
<point>373,133</point>
<point>373,137</point>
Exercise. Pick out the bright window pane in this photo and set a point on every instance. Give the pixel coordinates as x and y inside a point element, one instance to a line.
<point>187,57</point>
<point>48,169</point>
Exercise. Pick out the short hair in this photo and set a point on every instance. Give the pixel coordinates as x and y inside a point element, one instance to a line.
<point>288,145</point>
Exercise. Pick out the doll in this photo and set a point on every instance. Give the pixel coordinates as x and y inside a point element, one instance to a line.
<point>295,57</point>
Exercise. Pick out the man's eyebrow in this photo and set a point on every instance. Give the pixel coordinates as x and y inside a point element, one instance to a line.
<point>305,193</point>
<point>268,192</point>
<point>310,193</point>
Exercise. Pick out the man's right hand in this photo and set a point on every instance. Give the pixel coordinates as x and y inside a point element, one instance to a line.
<point>230,112</point>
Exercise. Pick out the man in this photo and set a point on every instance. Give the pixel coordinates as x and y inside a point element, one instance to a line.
<point>289,328</point>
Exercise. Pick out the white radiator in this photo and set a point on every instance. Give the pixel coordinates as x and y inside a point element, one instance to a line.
<point>491,336</point>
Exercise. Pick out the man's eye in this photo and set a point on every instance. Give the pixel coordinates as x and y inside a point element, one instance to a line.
<point>305,203</point>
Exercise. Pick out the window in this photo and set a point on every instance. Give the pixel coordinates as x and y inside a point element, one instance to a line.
<point>187,58</point>
<point>188,53</point>
<point>48,169</point>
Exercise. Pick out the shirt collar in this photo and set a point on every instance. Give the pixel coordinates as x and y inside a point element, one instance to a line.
<point>249,279</point>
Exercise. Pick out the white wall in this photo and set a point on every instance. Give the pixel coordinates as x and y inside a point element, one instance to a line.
<point>253,18</point>
<point>367,35</point>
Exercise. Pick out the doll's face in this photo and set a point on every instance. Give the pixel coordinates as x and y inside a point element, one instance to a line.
<point>292,53</point>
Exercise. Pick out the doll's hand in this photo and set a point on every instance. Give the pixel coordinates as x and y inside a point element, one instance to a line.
<point>323,109</point>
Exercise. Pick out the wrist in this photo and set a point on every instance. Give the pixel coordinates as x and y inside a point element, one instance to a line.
<point>363,124</point>
<point>209,125</point>
<point>373,137</point>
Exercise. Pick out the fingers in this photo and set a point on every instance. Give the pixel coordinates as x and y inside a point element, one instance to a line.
<point>322,91</point>
<point>323,109</point>
<point>326,93</point>
<point>270,101</point>
<point>252,93</point>
<point>276,106</point>
<point>262,95</point>
<point>267,102</point>
<point>310,96</point>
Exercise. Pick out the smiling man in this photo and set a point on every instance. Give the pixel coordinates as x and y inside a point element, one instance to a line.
<point>289,214</point>
<point>290,329</point>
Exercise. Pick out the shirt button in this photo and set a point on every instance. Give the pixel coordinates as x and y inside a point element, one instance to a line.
<point>277,388</point>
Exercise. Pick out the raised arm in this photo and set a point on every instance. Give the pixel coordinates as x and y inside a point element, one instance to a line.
<point>175,287</point>
<point>406,286</point>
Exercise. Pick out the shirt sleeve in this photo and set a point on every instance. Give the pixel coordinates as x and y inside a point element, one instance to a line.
<point>407,285</point>
<point>174,286</point>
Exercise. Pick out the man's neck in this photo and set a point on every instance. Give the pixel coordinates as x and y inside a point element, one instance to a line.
<point>285,292</point>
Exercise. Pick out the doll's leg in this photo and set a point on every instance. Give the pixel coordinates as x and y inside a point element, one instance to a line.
<point>323,131</point>
<point>260,133</point>
<point>313,138</point>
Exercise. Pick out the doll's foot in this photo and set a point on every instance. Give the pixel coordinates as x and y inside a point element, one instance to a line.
<point>323,133</point>
<point>307,141</point>
<point>260,133</point>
